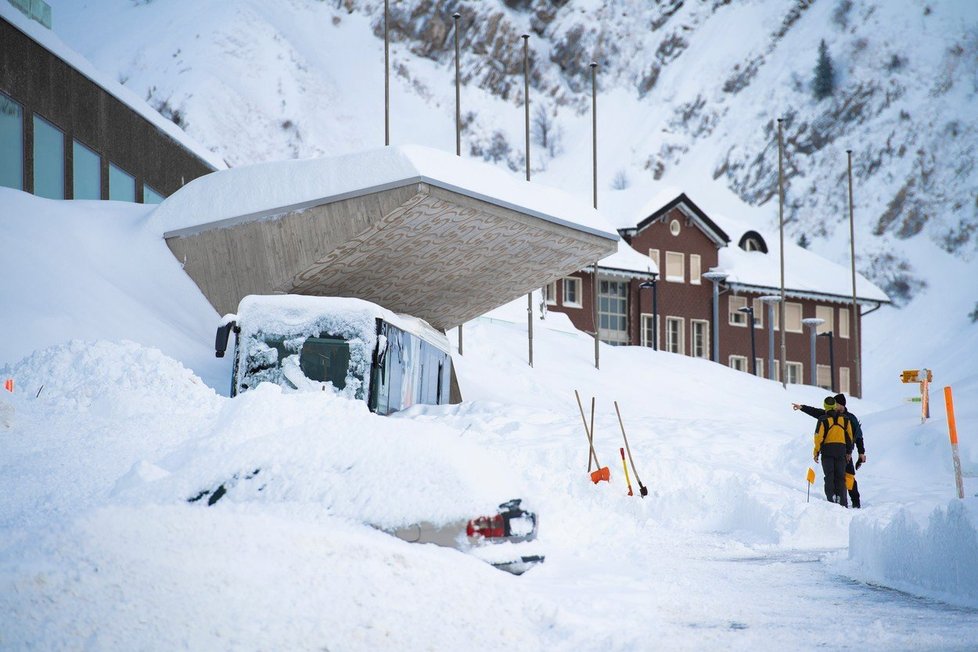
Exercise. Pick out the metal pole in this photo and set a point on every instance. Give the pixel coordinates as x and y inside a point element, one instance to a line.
<point>526,97</point>
<point>458,127</point>
<point>855,304</point>
<point>831,360</point>
<point>387,76</point>
<point>594,185</point>
<point>594,133</point>
<point>594,316</point>
<point>784,376</point>
<point>655,318</point>
<point>716,320</point>
<point>716,277</point>
<point>753,349</point>
<point>813,375</point>
<point>458,93</point>
<point>526,104</point>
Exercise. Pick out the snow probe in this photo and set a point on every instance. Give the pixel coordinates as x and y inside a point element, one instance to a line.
<point>642,489</point>
<point>603,473</point>
<point>624,465</point>
<point>811,481</point>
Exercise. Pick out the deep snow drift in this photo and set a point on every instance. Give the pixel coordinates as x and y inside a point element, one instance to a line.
<point>120,415</point>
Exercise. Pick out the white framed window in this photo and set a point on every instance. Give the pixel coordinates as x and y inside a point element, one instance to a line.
<point>759,309</point>
<point>695,269</point>
<point>844,322</point>
<point>844,386</point>
<point>734,316</point>
<point>648,333</point>
<point>654,256</point>
<point>674,335</point>
<point>613,312</point>
<point>825,313</point>
<point>823,376</point>
<point>760,366</point>
<point>572,292</point>
<point>550,293</point>
<point>738,362</point>
<point>675,262</point>
<point>699,331</point>
<point>675,227</point>
<point>795,372</point>
<point>792,317</point>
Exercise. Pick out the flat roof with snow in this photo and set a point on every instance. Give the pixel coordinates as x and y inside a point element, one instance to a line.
<point>413,229</point>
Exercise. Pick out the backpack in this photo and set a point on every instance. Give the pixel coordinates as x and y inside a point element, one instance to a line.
<point>836,432</point>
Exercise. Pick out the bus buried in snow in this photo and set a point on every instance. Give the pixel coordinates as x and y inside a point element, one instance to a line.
<point>364,351</point>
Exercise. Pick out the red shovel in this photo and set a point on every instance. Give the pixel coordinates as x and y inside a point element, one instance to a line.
<point>603,473</point>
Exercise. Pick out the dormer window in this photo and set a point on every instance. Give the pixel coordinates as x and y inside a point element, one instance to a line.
<point>752,241</point>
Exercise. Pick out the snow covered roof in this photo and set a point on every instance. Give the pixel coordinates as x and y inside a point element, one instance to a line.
<point>629,261</point>
<point>53,44</point>
<point>252,192</point>
<point>806,273</point>
<point>416,230</point>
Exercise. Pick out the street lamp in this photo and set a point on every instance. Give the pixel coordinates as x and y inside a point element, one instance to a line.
<point>770,300</point>
<point>655,310</point>
<point>749,311</point>
<point>828,334</point>
<point>717,277</point>
<point>813,323</point>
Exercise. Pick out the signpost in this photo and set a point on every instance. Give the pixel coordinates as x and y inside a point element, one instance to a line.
<point>923,377</point>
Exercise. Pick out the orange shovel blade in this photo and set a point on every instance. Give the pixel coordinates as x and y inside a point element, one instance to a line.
<point>604,473</point>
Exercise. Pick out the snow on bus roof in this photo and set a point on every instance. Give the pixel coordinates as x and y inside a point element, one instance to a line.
<point>265,189</point>
<point>292,314</point>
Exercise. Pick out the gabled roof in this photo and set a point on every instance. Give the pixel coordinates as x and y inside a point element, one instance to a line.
<point>694,213</point>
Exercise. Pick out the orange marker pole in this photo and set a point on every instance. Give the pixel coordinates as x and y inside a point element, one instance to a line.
<point>625,466</point>
<point>811,480</point>
<point>953,431</point>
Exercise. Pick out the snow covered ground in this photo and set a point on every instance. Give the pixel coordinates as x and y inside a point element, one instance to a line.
<point>120,414</point>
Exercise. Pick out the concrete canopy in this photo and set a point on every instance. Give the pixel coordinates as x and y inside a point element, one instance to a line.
<point>443,240</point>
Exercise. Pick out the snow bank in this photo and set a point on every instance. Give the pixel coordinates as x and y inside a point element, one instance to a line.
<point>933,556</point>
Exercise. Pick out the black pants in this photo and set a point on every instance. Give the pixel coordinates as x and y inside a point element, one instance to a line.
<point>854,492</point>
<point>834,470</point>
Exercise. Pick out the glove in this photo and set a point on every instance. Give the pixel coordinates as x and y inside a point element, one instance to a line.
<point>815,457</point>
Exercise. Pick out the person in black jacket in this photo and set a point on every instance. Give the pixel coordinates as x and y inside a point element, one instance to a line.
<point>857,431</point>
<point>833,443</point>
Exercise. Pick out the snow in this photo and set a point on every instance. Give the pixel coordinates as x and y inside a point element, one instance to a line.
<point>252,191</point>
<point>120,416</point>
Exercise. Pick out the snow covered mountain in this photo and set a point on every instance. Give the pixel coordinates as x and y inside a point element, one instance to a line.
<point>688,94</point>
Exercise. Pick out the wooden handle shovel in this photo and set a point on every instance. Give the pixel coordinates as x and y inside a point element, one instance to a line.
<point>642,489</point>
<point>603,473</point>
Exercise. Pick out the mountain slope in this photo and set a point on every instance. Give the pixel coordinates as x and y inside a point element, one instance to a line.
<point>689,94</point>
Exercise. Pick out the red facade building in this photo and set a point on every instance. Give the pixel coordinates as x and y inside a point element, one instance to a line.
<point>671,306</point>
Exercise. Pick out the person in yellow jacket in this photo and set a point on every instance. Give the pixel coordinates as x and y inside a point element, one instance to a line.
<point>834,443</point>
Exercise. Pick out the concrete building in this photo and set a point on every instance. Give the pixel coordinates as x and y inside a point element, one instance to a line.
<point>69,132</point>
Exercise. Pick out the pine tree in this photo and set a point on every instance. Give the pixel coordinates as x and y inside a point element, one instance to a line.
<point>824,83</point>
